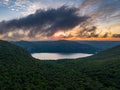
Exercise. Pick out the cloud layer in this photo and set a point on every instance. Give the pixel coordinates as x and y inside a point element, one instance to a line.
<point>45,22</point>
<point>77,19</point>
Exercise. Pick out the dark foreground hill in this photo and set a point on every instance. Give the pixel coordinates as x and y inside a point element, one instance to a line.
<point>61,46</point>
<point>19,71</point>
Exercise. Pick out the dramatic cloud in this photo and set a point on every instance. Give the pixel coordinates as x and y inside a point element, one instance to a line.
<point>116,35</point>
<point>60,19</point>
<point>45,22</point>
<point>101,11</point>
<point>89,32</point>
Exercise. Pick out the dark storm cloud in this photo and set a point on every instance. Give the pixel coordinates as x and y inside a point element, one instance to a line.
<point>88,32</point>
<point>45,22</point>
<point>105,35</point>
<point>116,35</point>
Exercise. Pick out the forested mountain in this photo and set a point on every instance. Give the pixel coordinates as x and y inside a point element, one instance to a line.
<point>103,45</point>
<point>61,46</point>
<point>64,46</point>
<point>19,71</point>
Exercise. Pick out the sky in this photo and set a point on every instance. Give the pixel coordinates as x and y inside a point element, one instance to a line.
<point>59,20</point>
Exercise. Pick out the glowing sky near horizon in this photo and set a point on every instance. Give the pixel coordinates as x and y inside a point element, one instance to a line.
<point>103,22</point>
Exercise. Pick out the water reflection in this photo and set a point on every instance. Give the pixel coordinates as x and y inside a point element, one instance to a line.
<point>56,56</point>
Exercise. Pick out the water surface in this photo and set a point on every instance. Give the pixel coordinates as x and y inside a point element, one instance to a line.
<point>56,56</point>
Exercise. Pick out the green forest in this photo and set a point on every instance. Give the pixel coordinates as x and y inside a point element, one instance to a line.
<point>19,71</point>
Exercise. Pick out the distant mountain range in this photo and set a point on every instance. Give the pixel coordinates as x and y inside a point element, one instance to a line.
<point>61,46</point>
<point>19,71</point>
<point>103,45</point>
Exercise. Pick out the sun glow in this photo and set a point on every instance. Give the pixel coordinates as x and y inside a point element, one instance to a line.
<point>59,34</point>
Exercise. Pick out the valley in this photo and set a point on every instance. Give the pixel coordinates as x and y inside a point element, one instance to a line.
<point>22,72</point>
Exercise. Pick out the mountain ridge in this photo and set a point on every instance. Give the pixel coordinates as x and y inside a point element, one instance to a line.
<point>61,46</point>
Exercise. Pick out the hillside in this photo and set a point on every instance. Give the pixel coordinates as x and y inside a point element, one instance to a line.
<point>103,45</point>
<point>19,71</point>
<point>61,46</point>
<point>12,50</point>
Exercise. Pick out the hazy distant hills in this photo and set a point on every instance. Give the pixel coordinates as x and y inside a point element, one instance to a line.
<point>19,71</point>
<point>66,46</point>
<point>103,45</point>
<point>56,47</point>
